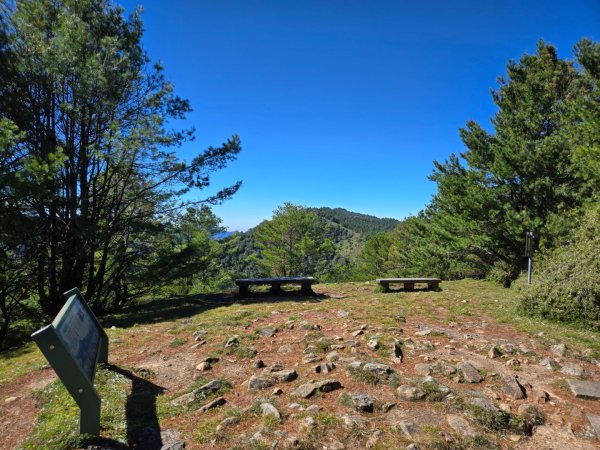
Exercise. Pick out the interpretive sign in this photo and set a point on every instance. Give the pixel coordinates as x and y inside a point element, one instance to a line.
<point>73,344</point>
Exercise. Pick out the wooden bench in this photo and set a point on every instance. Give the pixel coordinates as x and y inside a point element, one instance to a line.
<point>304,282</point>
<point>408,283</point>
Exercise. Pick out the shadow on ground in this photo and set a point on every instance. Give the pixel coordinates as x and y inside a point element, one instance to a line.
<point>143,428</point>
<point>180,307</point>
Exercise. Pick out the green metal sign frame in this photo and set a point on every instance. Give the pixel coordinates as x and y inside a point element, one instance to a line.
<point>73,344</point>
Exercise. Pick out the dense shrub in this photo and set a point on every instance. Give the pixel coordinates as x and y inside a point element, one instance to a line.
<point>567,285</point>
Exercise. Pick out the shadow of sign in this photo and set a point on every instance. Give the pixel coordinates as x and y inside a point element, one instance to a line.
<point>143,428</point>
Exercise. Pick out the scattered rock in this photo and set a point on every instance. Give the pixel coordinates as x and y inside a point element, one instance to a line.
<point>507,348</point>
<point>373,343</point>
<point>213,404</point>
<point>409,429</point>
<point>358,333</point>
<point>585,389</point>
<point>381,371</point>
<point>313,409</point>
<point>594,421</point>
<point>310,358</point>
<point>277,391</point>
<point>410,393</point>
<point>494,352</point>
<point>285,349</point>
<point>559,349</point>
<point>308,389</point>
<point>232,341</point>
<point>184,399</point>
<point>227,422</point>
<point>259,382</point>
<point>513,388</point>
<point>259,364</point>
<point>332,356</point>
<point>199,335</point>
<point>354,422</point>
<point>284,375</point>
<point>10,399</point>
<point>324,367</point>
<point>269,410</point>
<point>549,363</point>
<point>513,362</point>
<point>203,366</point>
<point>470,373</point>
<point>386,407</point>
<point>150,437</point>
<point>342,314</point>
<point>540,396</point>
<point>460,425</point>
<point>421,333</point>
<point>362,402</point>
<point>397,350</point>
<point>374,438</point>
<point>572,369</point>
<point>423,369</point>
<point>307,424</point>
<point>268,332</point>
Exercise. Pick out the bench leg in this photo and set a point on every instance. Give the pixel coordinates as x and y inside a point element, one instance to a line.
<point>409,286</point>
<point>433,285</point>
<point>275,288</point>
<point>244,291</point>
<point>385,287</point>
<point>306,289</point>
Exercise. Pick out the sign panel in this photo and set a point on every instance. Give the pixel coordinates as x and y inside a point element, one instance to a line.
<point>73,343</point>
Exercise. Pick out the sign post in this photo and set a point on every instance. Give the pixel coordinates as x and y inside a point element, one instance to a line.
<point>73,344</point>
<point>529,253</point>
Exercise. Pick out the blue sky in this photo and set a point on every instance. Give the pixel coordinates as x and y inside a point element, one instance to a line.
<point>344,103</point>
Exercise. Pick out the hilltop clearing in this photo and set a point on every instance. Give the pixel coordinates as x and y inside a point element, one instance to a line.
<point>350,368</point>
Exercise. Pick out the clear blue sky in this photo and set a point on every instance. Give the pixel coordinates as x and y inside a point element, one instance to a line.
<point>344,103</point>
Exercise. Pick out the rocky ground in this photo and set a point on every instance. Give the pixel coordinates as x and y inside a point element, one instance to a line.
<point>348,369</point>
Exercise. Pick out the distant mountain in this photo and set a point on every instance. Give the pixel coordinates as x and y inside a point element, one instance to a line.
<point>222,235</point>
<point>363,224</point>
<point>348,230</point>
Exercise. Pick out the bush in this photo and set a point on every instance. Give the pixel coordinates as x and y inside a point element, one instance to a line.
<point>567,286</point>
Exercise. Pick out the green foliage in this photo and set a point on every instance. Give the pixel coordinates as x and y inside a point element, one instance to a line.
<point>567,285</point>
<point>90,186</point>
<point>293,242</point>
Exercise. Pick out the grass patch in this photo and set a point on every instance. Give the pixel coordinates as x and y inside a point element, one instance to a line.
<point>178,342</point>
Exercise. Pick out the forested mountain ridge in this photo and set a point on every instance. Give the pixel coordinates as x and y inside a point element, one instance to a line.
<point>363,224</point>
<point>347,230</point>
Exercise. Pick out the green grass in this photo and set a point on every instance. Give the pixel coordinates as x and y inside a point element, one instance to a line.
<point>17,362</point>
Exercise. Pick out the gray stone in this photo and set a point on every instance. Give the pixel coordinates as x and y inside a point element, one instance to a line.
<point>513,388</point>
<point>208,388</point>
<point>307,424</point>
<point>232,341</point>
<point>379,370</point>
<point>374,438</point>
<point>308,389</point>
<point>386,407</point>
<point>410,393</point>
<point>268,332</point>
<point>284,375</point>
<point>269,410</point>
<point>332,356</point>
<point>373,343</point>
<point>494,352</point>
<point>409,429</point>
<point>549,363</point>
<point>559,349</point>
<point>328,385</point>
<point>507,348</point>
<point>342,314</point>
<point>362,402</point>
<point>397,350</point>
<point>423,369</point>
<point>310,358</point>
<point>354,421</point>
<point>203,366</point>
<point>421,333</point>
<point>585,389</point>
<point>460,425</point>
<point>285,349</point>
<point>412,446</point>
<point>355,365</point>
<point>213,404</point>
<point>184,399</point>
<point>227,422</point>
<point>313,409</point>
<point>572,369</point>
<point>479,400</point>
<point>358,333</point>
<point>259,364</point>
<point>324,367</point>
<point>199,335</point>
<point>470,373</point>
<point>259,382</point>
<point>594,421</point>
<point>150,437</point>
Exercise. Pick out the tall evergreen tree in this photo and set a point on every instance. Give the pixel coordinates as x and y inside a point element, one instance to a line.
<point>96,149</point>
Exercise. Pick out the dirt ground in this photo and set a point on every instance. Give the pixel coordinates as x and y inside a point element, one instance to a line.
<point>338,312</point>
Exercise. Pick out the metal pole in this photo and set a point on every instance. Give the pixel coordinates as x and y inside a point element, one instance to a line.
<point>529,270</point>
